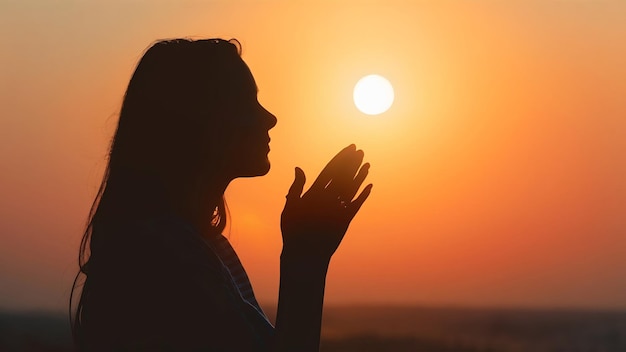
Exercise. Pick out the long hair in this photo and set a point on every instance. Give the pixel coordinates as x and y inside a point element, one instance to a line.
<point>167,134</point>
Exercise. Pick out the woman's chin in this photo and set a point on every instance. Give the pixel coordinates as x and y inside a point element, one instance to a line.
<point>260,169</point>
<point>264,170</point>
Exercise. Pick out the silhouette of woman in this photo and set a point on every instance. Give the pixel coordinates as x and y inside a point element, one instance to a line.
<point>159,275</point>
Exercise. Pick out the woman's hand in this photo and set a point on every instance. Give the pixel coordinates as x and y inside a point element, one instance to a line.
<point>313,224</point>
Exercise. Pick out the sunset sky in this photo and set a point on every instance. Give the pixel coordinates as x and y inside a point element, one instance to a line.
<point>499,172</point>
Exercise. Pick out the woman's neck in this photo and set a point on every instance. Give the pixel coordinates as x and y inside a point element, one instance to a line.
<point>198,205</point>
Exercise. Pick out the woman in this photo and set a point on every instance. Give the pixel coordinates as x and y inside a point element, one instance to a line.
<point>159,274</point>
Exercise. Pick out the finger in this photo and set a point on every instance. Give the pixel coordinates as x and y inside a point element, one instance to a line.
<point>297,186</point>
<point>358,202</point>
<point>358,181</point>
<point>341,183</point>
<point>331,168</point>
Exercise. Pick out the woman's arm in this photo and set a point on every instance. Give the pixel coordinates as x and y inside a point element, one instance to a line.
<point>300,301</point>
<point>313,225</point>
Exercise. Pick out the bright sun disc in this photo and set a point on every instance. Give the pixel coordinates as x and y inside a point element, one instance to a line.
<point>373,95</point>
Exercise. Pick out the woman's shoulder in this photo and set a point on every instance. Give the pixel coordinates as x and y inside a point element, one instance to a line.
<point>170,240</point>
<point>161,229</point>
<point>160,223</point>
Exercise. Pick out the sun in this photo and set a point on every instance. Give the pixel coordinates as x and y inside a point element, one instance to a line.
<point>373,95</point>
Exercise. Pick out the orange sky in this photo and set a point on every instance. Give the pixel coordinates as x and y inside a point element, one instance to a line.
<point>499,171</point>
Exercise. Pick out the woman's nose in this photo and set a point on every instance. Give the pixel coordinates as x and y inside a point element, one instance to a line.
<point>270,118</point>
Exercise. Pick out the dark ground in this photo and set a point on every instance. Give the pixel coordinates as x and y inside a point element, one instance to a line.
<point>398,329</point>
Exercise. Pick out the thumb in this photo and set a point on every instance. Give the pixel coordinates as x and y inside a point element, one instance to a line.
<point>297,186</point>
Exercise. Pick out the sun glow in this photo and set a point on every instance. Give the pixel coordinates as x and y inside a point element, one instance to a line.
<point>373,95</point>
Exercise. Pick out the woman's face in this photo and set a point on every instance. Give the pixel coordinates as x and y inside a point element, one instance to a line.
<point>246,138</point>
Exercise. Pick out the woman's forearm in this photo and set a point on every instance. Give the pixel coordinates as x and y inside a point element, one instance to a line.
<point>300,302</point>
<point>313,225</point>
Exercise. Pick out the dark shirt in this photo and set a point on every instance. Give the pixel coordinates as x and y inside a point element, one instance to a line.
<point>168,289</point>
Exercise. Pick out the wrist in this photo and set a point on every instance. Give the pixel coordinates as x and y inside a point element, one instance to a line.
<point>298,260</point>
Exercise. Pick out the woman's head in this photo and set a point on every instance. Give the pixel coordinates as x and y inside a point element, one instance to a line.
<point>190,119</point>
<point>186,113</point>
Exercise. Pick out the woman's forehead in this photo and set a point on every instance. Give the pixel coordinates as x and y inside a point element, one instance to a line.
<point>244,79</point>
